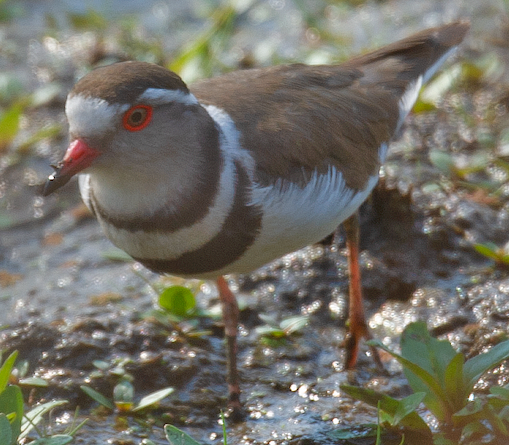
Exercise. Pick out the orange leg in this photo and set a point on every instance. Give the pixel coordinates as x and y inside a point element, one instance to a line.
<point>230,310</point>
<point>358,328</point>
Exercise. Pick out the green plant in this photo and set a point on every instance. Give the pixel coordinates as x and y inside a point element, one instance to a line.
<point>34,417</point>
<point>273,333</point>
<point>394,416</point>
<point>19,376</point>
<point>15,425</point>
<point>178,311</point>
<point>178,301</point>
<point>11,404</point>
<point>123,398</point>
<point>443,380</point>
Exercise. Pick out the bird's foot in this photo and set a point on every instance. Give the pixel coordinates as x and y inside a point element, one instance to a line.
<point>235,412</point>
<point>352,342</point>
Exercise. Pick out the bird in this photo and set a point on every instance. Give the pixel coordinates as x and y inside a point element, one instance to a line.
<point>238,170</point>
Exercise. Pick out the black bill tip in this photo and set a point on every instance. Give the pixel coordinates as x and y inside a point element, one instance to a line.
<point>55,181</point>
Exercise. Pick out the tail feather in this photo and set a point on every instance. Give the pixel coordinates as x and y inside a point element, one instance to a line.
<point>404,66</point>
<point>396,65</point>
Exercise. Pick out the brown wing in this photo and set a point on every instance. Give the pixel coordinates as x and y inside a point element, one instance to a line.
<point>297,118</point>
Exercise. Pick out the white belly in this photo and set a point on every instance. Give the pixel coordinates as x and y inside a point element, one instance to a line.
<point>297,217</point>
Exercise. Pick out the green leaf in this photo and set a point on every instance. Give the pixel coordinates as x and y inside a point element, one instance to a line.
<point>294,324</point>
<point>498,403</point>
<point>123,392</point>
<point>425,369</point>
<point>98,397</point>
<point>379,426</point>
<point>287,327</point>
<point>489,250</point>
<point>500,392</point>
<point>504,413</point>
<point>11,401</point>
<point>34,416</point>
<point>475,428</point>
<point>472,408</point>
<point>478,365</point>
<point>123,395</point>
<point>472,413</point>
<point>153,398</point>
<point>436,399</point>
<point>269,331</point>
<point>178,437</point>
<point>5,430</point>
<point>178,300</point>
<point>391,406</point>
<point>6,370</point>
<point>102,365</point>
<point>430,354</point>
<point>455,383</point>
<point>34,381</point>
<point>495,420</point>
<point>407,406</point>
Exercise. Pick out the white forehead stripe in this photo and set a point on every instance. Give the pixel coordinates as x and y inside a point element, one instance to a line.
<point>90,115</point>
<point>95,116</point>
<point>160,96</point>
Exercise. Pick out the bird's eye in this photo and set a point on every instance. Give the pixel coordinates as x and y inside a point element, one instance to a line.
<point>137,117</point>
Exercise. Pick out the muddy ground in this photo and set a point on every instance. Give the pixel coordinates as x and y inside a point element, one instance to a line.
<point>68,298</point>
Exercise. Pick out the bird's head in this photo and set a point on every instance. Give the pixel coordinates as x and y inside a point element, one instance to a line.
<point>124,115</point>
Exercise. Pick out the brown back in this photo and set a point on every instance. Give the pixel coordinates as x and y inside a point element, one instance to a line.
<point>298,118</point>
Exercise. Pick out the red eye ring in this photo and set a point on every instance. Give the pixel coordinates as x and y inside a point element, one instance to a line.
<point>137,117</point>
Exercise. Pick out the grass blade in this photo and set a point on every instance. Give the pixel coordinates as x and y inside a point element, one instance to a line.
<point>98,397</point>
<point>34,416</point>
